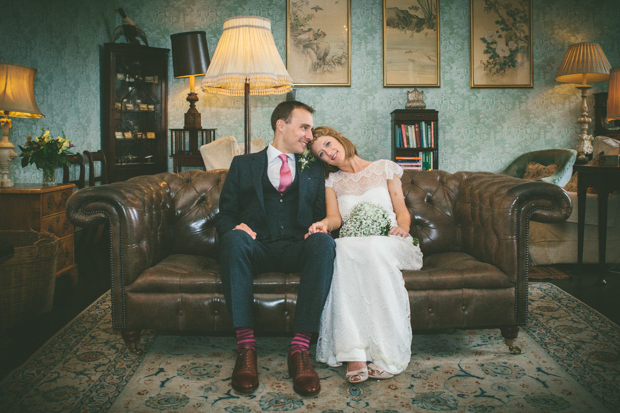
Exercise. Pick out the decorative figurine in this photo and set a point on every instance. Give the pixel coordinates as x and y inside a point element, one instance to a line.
<point>129,29</point>
<point>415,99</point>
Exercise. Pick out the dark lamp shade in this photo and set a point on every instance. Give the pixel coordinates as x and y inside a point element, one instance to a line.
<point>190,54</point>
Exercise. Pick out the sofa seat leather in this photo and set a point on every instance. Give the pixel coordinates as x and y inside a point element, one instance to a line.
<point>455,270</point>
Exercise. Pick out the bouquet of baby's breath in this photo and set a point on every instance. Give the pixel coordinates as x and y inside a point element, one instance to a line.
<point>366,219</point>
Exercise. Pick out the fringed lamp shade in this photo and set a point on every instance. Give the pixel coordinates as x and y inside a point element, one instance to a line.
<point>17,91</point>
<point>584,62</point>
<point>613,96</point>
<point>247,52</point>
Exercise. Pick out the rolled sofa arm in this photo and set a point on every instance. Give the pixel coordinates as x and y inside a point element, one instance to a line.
<point>493,213</point>
<point>137,211</point>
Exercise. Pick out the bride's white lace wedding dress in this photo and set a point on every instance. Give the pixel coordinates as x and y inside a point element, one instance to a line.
<point>366,316</point>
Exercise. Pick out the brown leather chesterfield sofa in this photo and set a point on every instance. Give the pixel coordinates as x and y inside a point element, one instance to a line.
<point>472,227</point>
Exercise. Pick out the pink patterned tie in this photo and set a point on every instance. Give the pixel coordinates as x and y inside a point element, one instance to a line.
<point>286,178</point>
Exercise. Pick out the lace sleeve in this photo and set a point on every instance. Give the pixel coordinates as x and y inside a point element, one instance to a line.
<point>329,182</point>
<point>392,168</point>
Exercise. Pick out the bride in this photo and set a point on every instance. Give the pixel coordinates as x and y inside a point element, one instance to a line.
<point>366,316</point>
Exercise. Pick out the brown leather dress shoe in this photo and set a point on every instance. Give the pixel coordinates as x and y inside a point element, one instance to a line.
<point>245,373</point>
<point>305,380</point>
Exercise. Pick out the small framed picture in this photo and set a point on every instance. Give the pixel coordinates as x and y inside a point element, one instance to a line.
<point>118,135</point>
<point>117,105</point>
<point>144,106</point>
<point>139,135</point>
<point>129,106</point>
<point>152,108</point>
<point>128,135</point>
<point>120,76</point>
<point>148,79</point>
<point>150,135</point>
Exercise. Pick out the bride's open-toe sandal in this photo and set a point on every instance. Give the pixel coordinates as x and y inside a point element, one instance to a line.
<point>357,376</point>
<point>376,372</point>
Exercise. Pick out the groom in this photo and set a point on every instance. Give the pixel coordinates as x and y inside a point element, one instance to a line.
<point>267,204</point>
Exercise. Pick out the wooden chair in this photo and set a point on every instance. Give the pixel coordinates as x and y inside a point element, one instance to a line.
<point>76,159</point>
<point>93,157</point>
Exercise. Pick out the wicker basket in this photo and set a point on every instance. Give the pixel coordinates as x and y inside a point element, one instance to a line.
<point>28,278</point>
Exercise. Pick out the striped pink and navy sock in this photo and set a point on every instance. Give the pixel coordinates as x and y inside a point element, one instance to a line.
<point>245,338</point>
<point>301,342</point>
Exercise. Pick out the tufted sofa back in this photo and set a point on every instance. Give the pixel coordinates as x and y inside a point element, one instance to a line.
<point>194,198</point>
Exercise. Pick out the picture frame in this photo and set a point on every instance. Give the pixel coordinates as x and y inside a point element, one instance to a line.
<point>128,135</point>
<point>500,45</point>
<point>118,135</point>
<point>144,106</point>
<point>150,135</point>
<point>318,42</point>
<point>411,51</point>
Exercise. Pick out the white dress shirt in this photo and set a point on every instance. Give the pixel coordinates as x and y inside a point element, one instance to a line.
<point>274,164</point>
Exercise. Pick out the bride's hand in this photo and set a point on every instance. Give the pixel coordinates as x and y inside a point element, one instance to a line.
<point>317,227</point>
<point>398,231</point>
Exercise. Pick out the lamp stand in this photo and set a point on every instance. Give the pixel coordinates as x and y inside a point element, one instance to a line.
<point>7,152</point>
<point>247,117</point>
<point>584,147</point>
<point>193,119</point>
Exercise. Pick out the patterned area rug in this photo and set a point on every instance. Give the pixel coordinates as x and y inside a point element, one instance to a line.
<point>570,363</point>
<point>545,273</point>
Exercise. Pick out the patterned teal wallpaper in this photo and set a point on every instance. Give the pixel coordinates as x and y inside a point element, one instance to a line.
<point>480,129</point>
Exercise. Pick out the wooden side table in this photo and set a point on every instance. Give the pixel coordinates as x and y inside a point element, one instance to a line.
<point>603,179</point>
<point>41,208</point>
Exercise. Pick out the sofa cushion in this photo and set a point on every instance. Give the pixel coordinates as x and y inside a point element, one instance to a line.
<point>455,270</point>
<point>536,171</point>
<point>196,274</point>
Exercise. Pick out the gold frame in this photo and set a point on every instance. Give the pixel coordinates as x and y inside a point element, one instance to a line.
<point>472,70</point>
<point>385,48</point>
<point>288,44</point>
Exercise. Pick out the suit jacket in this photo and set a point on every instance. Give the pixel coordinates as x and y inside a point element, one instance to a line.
<point>241,199</point>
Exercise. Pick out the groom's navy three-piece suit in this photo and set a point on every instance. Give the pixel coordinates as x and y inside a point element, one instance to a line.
<point>280,222</point>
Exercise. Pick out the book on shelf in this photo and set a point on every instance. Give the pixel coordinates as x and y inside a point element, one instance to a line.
<point>417,136</point>
<point>432,134</point>
<point>407,158</point>
<point>404,135</point>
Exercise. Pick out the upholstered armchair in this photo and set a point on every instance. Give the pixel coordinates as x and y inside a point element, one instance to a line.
<point>546,157</point>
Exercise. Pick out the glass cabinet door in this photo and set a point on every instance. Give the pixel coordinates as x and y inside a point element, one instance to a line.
<point>135,110</point>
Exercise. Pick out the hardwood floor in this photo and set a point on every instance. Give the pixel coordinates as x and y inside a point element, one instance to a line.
<point>19,343</point>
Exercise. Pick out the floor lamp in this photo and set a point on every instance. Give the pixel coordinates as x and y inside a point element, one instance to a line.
<point>16,101</point>
<point>583,63</point>
<point>246,62</point>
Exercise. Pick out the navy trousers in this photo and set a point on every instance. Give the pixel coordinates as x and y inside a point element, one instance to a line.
<point>241,257</point>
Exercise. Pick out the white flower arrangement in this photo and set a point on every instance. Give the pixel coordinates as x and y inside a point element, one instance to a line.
<point>366,219</point>
<point>306,158</point>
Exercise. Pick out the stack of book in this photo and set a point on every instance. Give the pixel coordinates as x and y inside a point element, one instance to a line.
<point>409,162</point>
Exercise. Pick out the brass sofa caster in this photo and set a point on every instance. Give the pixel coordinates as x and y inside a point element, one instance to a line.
<point>133,347</point>
<point>514,349</point>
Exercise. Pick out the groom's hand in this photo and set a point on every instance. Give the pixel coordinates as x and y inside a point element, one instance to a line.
<point>244,227</point>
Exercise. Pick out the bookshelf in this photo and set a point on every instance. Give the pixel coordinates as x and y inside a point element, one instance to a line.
<point>415,138</point>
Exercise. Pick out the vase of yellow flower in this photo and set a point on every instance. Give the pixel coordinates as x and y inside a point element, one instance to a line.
<point>46,153</point>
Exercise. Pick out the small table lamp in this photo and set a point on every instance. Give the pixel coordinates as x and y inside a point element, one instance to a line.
<point>613,95</point>
<point>190,58</point>
<point>16,101</point>
<point>584,62</point>
<point>246,62</point>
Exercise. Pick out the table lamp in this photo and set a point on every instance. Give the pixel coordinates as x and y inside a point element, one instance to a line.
<point>16,101</point>
<point>613,95</point>
<point>246,62</point>
<point>190,58</point>
<point>584,62</point>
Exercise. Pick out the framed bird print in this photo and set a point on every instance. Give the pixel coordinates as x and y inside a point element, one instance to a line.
<point>411,43</point>
<point>500,45</point>
<point>318,42</point>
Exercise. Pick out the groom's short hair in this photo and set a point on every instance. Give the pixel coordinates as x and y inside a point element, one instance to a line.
<point>285,109</point>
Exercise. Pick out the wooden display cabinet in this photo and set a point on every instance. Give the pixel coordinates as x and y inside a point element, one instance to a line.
<point>135,110</point>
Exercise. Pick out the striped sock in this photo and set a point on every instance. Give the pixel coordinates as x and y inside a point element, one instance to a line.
<point>301,342</point>
<point>245,338</point>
